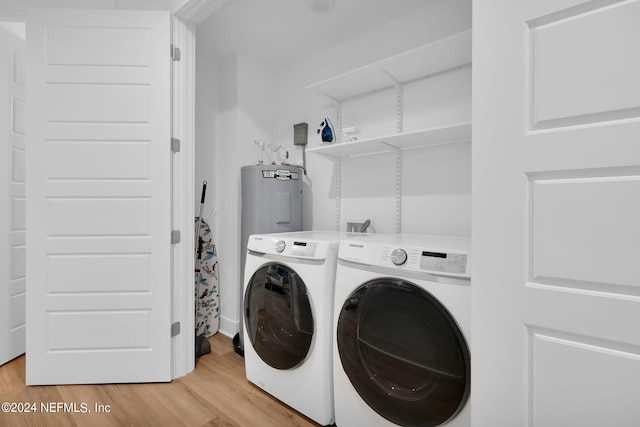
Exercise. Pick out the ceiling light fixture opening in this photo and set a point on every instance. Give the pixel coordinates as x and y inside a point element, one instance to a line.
<point>321,6</point>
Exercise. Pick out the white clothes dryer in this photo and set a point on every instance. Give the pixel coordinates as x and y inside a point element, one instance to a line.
<point>288,317</point>
<point>402,312</point>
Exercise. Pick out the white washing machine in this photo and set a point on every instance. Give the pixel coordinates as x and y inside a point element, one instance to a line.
<point>402,315</point>
<point>288,318</point>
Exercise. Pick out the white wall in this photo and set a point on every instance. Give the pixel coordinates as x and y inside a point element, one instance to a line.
<point>255,102</point>
<point>431,204</point>
<point>436,181</point>
<point>226,225</point>
<point>207,96</point>
<point>258,106</point>
<point>234,107</point>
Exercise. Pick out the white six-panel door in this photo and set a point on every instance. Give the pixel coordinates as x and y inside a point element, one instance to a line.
<point>12,192</point>
<point>556,223</point>
<point>98,247</point>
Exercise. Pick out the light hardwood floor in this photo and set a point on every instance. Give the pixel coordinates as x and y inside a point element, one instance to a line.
<point>217,393</point>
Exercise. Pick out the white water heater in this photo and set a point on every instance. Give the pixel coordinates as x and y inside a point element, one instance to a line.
<point>271,200</point>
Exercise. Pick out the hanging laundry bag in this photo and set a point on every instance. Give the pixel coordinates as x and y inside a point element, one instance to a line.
<point>207,290</point>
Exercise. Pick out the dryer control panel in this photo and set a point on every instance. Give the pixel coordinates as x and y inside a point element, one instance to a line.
<point>443,262</point>
<point>303,249</point>
<point>285,247</point>
<point>425,260</point>
<point>437,256</point>
<point>301,245</point>
<point>412,258</point>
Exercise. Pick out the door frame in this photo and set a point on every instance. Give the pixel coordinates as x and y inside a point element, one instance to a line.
<point>14,338</point>
<point>184,21</point>
<point>183,198</point>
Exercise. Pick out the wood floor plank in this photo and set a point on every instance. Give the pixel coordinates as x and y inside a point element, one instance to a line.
<point>14,378</point>
<point>92,395</point>
<point>46,411</point>
<point>216,394</point>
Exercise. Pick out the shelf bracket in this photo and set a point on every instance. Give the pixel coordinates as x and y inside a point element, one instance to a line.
<point>398,191</point>
<point>334,101</point>
<point>398,87</point>
<point>395,81</point>
<point>398,152</point>
<point>338,129</point>
<point>442,73</point>
<point>392,147</point>
<point>337,167</point>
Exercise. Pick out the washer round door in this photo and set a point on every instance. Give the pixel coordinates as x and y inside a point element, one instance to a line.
<point>278,316</point>
<point>404,353</point>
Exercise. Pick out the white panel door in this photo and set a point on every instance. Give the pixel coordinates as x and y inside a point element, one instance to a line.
<point>12,193</point>
<point>98,257</point>
<point>556,222</point>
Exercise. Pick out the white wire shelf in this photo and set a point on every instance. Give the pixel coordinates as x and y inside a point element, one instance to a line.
<point>402,141</point>
<point>416,64</point>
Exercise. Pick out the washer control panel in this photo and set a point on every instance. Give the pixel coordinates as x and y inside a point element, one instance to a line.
<point>443,262</point>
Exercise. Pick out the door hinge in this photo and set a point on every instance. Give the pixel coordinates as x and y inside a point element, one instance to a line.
<point>175,237</point>
<point>175,53</point>
<point>175,329</point>
<point>175,145</point>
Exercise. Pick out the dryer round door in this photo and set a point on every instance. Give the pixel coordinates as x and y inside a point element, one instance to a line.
<point>404,353</point>
<point>278,316</point>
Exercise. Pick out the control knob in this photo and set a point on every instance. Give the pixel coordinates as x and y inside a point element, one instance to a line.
<point>280,245</point>
<point>398,256</point>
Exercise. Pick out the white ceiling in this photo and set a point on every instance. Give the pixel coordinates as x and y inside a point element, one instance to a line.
<point>280,32</point>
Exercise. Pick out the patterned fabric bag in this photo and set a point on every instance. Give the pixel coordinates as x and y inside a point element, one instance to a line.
<point>207,290</point>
